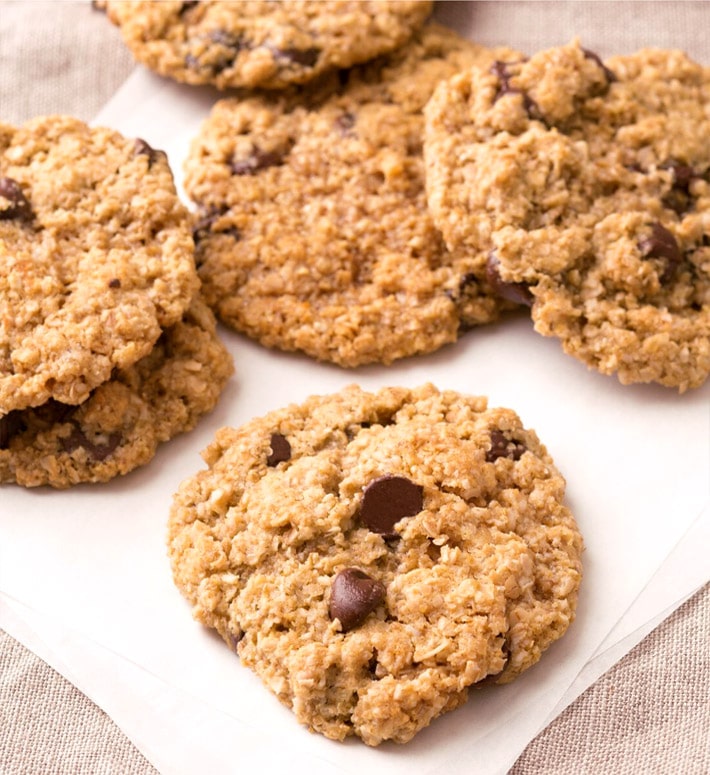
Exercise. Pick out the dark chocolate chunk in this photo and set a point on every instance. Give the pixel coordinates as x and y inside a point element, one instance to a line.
<point>10,425</point>
<point>353,596</point>
<point>387,500</point>
<point>500,70</point>
<point>280,450</point>
<point>141,148</point>
<point>345,122</point>
<point>258,160</point>
<point>305,57</point>
<point>608,74</point>
<point>13,202</point>
<point>98,452</point>
<point>518,293</point>
<point>502,446</point>
<point>662,245</point>
<point>204,226</point>
<point>115,283</point>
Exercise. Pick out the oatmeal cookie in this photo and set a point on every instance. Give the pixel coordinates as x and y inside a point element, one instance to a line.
<point>96,257</point>
<point>120,425</point>
<point>588,185</point>
<point>262,44</point>
<point>314,233</point>
<point>373,555</point>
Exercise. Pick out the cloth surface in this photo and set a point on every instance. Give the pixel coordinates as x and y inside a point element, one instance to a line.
<point>650,713</point>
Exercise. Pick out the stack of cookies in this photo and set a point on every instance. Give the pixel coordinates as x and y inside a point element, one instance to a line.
<point>106,346</point>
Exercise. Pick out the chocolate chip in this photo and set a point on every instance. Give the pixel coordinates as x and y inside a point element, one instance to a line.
<point>188,6</point>
<point>16,205</point>
<point>304,57</point>
<point>205,223</point>
<point>502,446</point>
<point>500,70</point>
<point>115,283</point>
<point>141,148</point>
<point>10,425</point>
<point>387,500</point>
<point>608,74</point>
<point>679,198</point>
<point>98,452</point>
<point>662,245</point>
<point>518,293</point>
<point>280,450</point>
<point>353,596</point>
<point>258,160</point>
<point>344,123</point>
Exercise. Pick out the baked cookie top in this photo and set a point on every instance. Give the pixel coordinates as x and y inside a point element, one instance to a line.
<point>262,44</point>
<point>96,256</point>
<point>314,231</point>
<point>120,425</point>
<point>589,185</point>
<point>372,555</point>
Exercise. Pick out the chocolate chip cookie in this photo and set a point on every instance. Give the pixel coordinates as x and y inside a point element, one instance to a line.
<point>587,186</point>
<point>262,44</point>
<point>96,257</point>
<point>371,556</point>
<point>120,425</point>
<point>314,233</point>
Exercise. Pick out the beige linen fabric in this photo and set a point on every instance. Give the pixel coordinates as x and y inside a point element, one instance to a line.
<point>651,713</point>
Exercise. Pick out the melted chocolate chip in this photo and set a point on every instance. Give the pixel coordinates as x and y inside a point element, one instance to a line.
<point>258,160</point>
<point>679,198</point>
<point>280,450</point>
<point>344,123</point>
<point>10,425</point>
<point>16,205</point>
<point>608,74</point>
<point>518,293</point>
<point>98,452</point>
<point>353,596</point>
<point>387,500</point>
<point>502,446</point>
<point>500,70</point>
<point>662,245</point>
<point>204,225</point>
<point>305,57</point>
<point>141,148</point>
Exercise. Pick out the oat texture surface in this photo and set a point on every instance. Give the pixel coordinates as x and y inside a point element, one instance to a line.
<point>315,234</point>
<point>587,185</point>
<point>371,556</point>
<point>96,257</point>
<point>121,424</point>
<point>262,44</point>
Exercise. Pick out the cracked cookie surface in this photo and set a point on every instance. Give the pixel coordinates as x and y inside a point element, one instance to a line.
<point>121,424</point>
<point>96,256</point>
<point>314,231</point>
<point>587,183</point>
<point>262,44</point>
<point>371,556</point>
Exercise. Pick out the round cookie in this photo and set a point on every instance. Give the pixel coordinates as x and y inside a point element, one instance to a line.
<point>262,44</point>
<point>373,555</point>
<point>588,187</point>
<point>120,425</point>
<point>96,256</point>
<point>314,232</point>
